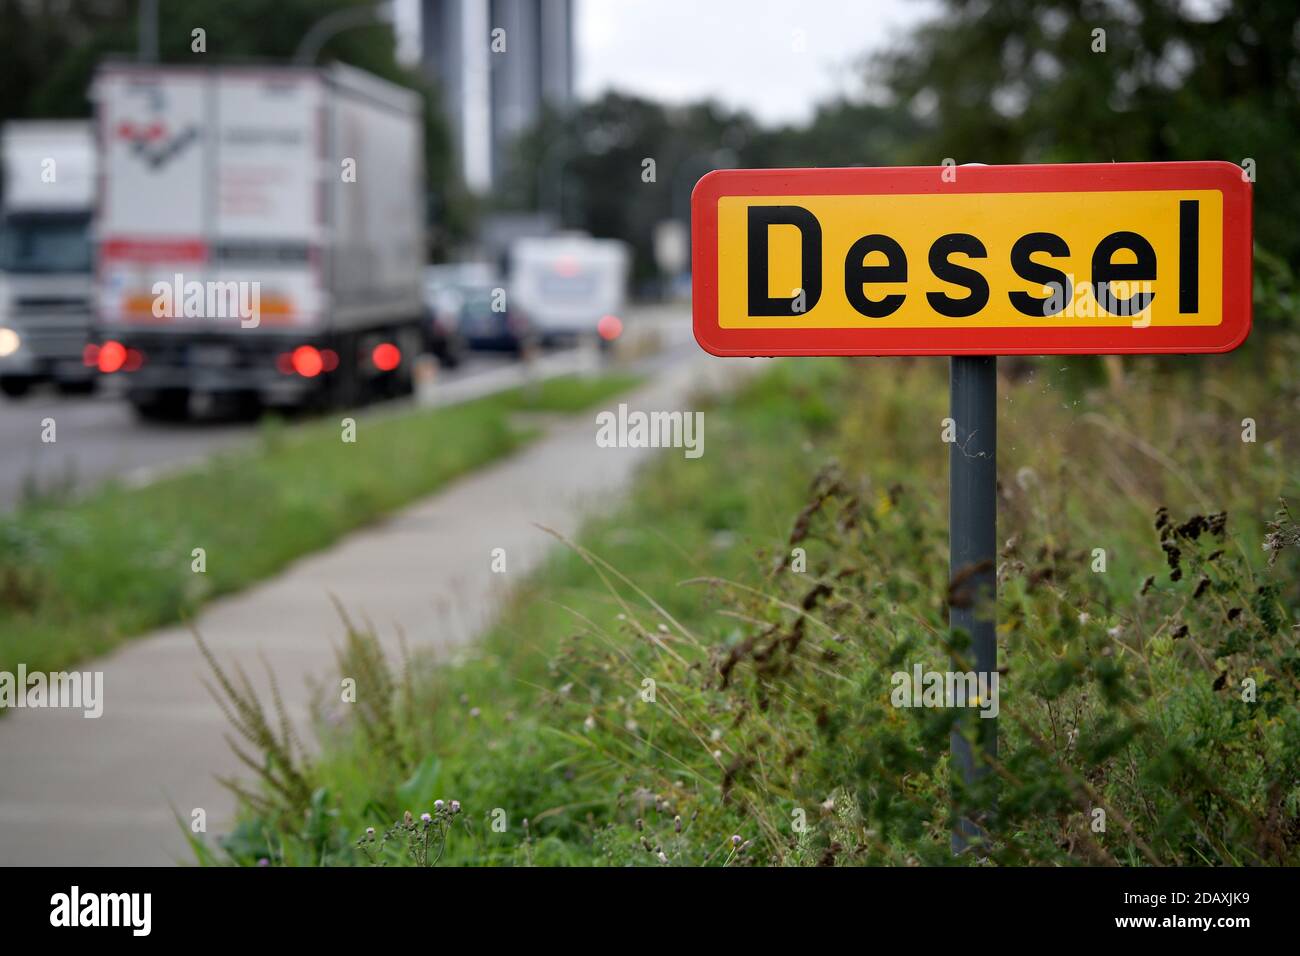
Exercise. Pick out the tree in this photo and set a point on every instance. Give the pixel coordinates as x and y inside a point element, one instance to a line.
<point>592,161</point>
<point>1102,80</point>
<point>619,165</point>
<point>52,48</point>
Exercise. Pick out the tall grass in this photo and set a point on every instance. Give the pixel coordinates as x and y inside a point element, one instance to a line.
<point>77,579</point>
<point>672,690</point>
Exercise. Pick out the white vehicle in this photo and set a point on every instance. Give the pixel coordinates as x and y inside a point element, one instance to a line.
<point>562,286</point>
<point>47,196</point>
<point>261,234</point>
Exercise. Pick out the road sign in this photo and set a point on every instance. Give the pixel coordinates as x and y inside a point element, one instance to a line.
<point>973,260</point>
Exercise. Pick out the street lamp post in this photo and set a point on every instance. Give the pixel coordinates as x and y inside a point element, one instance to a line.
<point>550,180</point>
<point>335,23</point>
<point>679,200</point>
<point>551,169</point>
<point>146,31</point>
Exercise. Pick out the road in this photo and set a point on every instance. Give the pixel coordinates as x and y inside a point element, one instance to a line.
<point>99,438</point>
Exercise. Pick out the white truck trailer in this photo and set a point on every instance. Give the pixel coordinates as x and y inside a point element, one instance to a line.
<point>47,196</point>
<point>261,235</point>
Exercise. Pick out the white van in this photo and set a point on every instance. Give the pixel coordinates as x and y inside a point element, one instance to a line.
<point>563,285</point>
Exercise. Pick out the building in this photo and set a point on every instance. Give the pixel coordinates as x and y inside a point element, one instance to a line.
<point>496,63</point>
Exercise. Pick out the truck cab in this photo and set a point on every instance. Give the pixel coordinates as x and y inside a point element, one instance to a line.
<point>46,254</point>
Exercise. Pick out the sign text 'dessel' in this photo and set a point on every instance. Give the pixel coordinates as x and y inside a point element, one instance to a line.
<point>1101,258</point>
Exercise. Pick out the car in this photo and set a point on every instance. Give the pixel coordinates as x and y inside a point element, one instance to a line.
<point>442,303</point>
<point>442,335</point>
<point>488,323</point>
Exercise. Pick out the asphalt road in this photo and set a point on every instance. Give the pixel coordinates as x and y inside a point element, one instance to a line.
<point>98,437</point>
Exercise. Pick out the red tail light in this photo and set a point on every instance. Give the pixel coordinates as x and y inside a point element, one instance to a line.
<point>112,356</point>
<point>609,327</point>
<point>386,356</point>
<point>90,356</point>
<point>307,361</point>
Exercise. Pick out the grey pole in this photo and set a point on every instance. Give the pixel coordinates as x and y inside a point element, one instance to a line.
<point>551,171</point>
<point>972,520</point>
<point>146,31</point>
<point>331,24</point>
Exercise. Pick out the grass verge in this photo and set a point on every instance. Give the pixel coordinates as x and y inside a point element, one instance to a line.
<point>78,579</point>
<point>708,676</point>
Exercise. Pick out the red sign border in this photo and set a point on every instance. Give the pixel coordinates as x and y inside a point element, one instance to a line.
<point>999,340</point>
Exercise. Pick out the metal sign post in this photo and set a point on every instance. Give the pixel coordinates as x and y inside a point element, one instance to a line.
<point>972,530</point>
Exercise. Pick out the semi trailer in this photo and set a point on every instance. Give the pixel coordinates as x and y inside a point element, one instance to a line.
<point>260,237</point>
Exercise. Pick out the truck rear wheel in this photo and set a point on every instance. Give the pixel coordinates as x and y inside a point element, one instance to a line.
<point>403,384</point>
<point>168,405</point>
<point>80,386</point>
<point>345,387</point>
<point>15,386</point>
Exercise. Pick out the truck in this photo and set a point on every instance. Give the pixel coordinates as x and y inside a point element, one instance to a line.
<point>260,236</point>
<point>561,286</point>
<point>47,198</point>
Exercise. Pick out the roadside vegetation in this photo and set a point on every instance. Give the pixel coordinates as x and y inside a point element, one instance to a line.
<point>671,690</point>
<point>76,579</point>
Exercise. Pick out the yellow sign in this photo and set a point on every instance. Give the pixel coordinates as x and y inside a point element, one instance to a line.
<point>990,259</point>
<point>1091,258</point>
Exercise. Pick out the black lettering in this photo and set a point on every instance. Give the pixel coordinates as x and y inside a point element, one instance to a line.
<point>1031,271</point>
<point>943,247</point>
<point>857,274</point>
<point>1104,272</point>
<point>810,242</point>
<point>1189,256</point>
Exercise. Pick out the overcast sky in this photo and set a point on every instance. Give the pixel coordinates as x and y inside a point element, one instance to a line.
<point>776,58</point>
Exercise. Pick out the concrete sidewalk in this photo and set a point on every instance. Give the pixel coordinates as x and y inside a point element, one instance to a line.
<point>90,792</point>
